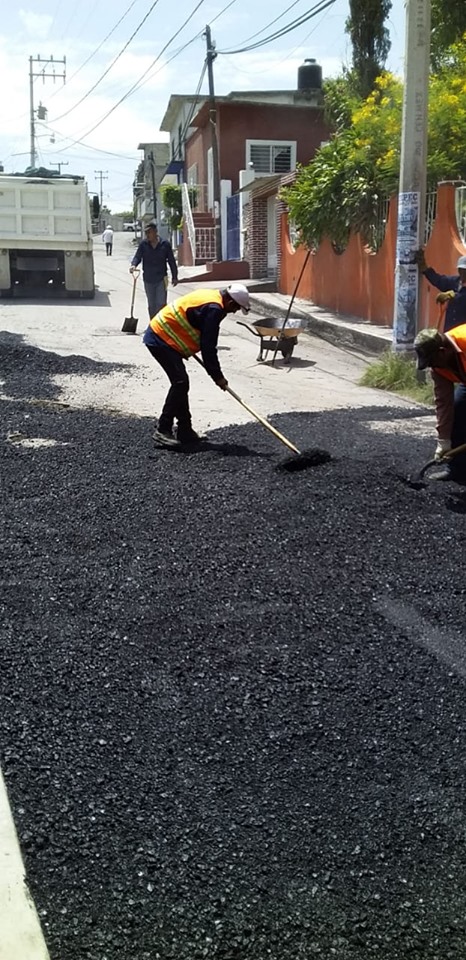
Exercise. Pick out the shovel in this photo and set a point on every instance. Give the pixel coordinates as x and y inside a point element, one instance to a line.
<point>131,322</point>
<point>417,481</point>
<point>301,459</point>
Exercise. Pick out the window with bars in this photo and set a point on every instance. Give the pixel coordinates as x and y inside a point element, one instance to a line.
<point>268,156</point>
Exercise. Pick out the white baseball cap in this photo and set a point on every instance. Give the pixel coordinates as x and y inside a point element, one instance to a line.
<point>240,294</point>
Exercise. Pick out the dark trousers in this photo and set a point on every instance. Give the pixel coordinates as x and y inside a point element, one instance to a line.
<point>176,406</point>
<point>108,247</point>
<point>458,436</point>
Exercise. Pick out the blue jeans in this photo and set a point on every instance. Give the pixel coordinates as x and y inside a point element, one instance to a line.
<point>458,436</point>
<point>156,294</point>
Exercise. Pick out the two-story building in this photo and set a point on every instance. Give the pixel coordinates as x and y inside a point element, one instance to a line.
<point>146,186</point>
<point>259,134</point>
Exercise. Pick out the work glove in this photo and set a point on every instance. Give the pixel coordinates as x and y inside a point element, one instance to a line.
<point>420,259</point>
<point>222,383</point>
<point>443,446</point>
<point>444,297</point>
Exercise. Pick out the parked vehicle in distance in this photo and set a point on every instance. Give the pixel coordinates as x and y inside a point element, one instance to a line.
<point>129,226</point>
<point>45,230</point>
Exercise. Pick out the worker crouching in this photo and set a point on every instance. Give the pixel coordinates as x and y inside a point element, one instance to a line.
<point>188,325</point>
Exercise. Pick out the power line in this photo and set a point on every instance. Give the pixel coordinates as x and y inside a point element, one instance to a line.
<point>139,82</point>
<point>96,84</point>
<point>313,12</point>
<point>94,52</point>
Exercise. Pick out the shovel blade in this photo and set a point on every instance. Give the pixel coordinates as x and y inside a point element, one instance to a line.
<point>130,325</point>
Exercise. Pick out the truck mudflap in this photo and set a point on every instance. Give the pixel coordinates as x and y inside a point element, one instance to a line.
<point>79,274</point>
<point>6,288</point>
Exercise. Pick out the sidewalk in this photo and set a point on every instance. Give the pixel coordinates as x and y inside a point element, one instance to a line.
<point>343,331</point>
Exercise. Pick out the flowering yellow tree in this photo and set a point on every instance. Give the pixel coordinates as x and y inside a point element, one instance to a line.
<point>340,189</point>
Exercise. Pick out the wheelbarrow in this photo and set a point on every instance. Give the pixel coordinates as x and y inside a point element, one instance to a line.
<point>275,336</point>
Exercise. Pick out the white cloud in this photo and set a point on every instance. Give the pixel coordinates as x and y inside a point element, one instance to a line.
<point>36,25</point>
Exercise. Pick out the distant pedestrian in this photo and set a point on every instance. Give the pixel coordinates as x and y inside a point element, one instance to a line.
<point>453,290</point>
<point>178,331</point>
<point>107,238</point>
<point>156,255</point>
<point>445,354</point>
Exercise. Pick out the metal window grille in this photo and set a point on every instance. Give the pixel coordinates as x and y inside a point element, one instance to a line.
<point>270,158</point>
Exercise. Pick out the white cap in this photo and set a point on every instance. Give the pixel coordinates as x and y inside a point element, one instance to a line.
<point>240,294</point>
<point>461,265</point>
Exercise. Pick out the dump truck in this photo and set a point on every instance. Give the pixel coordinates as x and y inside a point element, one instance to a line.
<point>45,234</point>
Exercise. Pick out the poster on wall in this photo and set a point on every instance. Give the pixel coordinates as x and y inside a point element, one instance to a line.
<point>406,276</point>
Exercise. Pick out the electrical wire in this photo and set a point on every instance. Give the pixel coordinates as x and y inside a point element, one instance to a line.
<point>96,84</point>
<point>313,12</point>
<point>139,82</point>
<point>94,52</point>
<point>267,25</point>
<point>191,113</point>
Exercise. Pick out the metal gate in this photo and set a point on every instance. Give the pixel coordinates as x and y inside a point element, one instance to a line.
<point>233,235</point>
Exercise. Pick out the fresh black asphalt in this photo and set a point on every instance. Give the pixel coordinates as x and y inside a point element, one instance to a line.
<point>233,705</point>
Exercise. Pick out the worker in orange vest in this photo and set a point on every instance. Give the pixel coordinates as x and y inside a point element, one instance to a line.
<point>181,329</point>
<point>445,354</point>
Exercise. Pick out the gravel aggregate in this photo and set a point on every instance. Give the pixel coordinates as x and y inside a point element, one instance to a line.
<point>233,711</point>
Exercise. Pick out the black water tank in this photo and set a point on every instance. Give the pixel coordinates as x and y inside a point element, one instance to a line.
<point>309,76</point>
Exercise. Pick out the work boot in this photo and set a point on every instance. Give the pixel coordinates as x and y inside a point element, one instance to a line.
<point>188,437</point>
<point>165,438</point>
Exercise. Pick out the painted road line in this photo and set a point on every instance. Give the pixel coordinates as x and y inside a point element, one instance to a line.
<point>21,937</point>
<point>445,646</point>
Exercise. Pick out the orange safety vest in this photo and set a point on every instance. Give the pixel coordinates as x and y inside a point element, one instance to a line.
<point>458,334</point>
<point>171,323</point>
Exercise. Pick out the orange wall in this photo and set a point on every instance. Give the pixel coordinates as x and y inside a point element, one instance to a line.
<point>360,283</point>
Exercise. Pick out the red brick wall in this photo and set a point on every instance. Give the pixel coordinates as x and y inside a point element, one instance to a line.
<point>257,237</point>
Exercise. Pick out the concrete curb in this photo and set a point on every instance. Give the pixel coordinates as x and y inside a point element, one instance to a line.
<point>347,333</point>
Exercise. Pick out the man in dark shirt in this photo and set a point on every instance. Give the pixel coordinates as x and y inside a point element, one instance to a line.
<point>155,254</point>
<point>452,290</point>
<point>177,332</point>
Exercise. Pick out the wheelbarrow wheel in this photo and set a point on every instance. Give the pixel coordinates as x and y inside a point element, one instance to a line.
<point>287,346</point>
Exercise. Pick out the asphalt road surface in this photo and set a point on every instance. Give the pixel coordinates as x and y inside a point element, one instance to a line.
<point>233,706</point>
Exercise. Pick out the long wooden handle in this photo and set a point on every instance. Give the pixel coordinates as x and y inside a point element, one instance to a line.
<point>263,421</point>
<point>452,453</point>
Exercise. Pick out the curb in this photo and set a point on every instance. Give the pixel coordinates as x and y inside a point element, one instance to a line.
<point>344,333</point>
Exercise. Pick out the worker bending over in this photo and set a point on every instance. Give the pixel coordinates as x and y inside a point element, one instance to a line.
<point>445,354</point>
<point>181,329</point>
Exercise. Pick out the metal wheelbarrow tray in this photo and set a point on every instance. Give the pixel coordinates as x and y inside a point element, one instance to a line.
<point>273,336</point>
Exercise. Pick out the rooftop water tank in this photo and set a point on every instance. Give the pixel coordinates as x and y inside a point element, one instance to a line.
<point>309,76</point>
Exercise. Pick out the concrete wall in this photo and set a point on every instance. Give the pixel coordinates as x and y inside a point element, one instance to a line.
<point>238,122</point>
<point>361,283</point>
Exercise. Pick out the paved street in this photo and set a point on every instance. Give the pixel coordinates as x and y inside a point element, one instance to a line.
<point>233,712</point>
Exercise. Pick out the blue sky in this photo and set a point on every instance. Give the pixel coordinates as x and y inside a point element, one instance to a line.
<point>75,31</point>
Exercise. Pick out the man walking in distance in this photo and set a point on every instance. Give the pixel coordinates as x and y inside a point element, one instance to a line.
<point>178,331</point>
<point>107,238</point>
<point>155,255</point>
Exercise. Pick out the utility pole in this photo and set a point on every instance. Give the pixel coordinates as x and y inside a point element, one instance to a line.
<point>154,192</point>
<point>42,111</point>
<point>101,175</point>
<point>412,188</point>
<point>63,163</point>
<point>211,54</point>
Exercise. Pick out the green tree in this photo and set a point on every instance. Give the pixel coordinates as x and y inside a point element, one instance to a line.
<point>341,188</point>
<point>370,41</point>
<point>448,27</point>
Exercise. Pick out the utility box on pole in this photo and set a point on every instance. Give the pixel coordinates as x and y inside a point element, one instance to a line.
<point>412,189</point>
